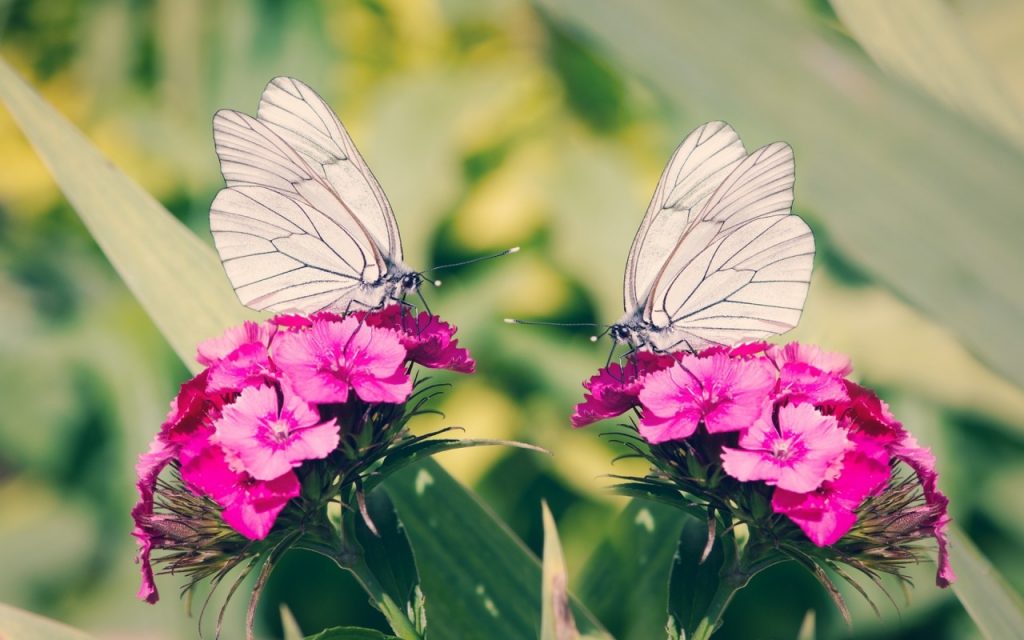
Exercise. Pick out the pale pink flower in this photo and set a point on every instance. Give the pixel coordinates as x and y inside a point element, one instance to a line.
<point>215,349</point>
<point>796,456</point>
<point>812,355</point>
<point>827,513</point>
<point>325,361</point>
<point>727,394</point>
<point>268,438</point>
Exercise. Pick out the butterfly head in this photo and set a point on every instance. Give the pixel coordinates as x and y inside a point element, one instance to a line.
<point>621,332</point>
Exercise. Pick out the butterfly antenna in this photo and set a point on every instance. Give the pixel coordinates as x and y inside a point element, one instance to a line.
<point>500,254</point>
<point>541,323</point>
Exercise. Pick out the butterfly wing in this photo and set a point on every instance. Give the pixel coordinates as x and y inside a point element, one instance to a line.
<point>302,224</point>
<point>700,163</point>
<point>741,268</point>
<point>303,120</point>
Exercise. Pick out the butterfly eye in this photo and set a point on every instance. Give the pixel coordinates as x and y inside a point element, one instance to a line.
<point>411,281</point>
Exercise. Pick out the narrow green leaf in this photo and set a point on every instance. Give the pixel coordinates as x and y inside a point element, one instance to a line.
<point>924,42</point>
<point>173,274</point>
<point>693,583</point>
<point>289,624</point>
<point>350,633</point>
<point>556,621</point>
<point>995,607</point>
<point>808,626</point>
<point>387,551</point>
<point>16,624</point>
<point>480,580</point>
<point>625,581</point>
<point>892,175</point>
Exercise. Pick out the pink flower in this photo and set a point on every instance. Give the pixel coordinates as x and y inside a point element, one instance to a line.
<point>215,349</point>
<point>797,456</point>
<point>267,439</point>
<point>428,340</point>
<point>247,366</point>
<point>923,462</point>
<point>825,361</point>
<point>614,390</point>
<point>323,362</point>
<point>250,506</point>
<point>149,467</point>
<point>827,513</point>
<point>727,394</point>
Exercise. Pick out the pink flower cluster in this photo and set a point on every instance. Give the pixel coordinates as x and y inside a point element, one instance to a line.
<point>239,430</point>
<point>785,416</point>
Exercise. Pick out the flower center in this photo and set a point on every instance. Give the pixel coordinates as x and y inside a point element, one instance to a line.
<point>280,429</point>
<point>782,449</point>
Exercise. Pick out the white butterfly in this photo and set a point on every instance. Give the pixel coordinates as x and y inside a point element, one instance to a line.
<point>718,258</point>
<point>302,225</point>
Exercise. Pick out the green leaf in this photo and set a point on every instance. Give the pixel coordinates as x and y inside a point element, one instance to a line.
<point>995,607</point>
<point>556,621</point>
<point>893,176</point>
<point>480,580</point>
<point>387,551</point>
<point>625,581</point>
<point>924,42</point>
<point>15,624</point>
<point>350,633</point>
<point>693,583</point>
<point>173,274</point>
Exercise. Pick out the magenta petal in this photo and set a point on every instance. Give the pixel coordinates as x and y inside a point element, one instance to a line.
<point>823,520</point>
<point>254,508</point>
<point>149,467</point>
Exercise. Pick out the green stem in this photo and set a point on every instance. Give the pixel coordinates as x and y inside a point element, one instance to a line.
<point>396,616</point>
<point>351,559</point>
<point>727,588</point>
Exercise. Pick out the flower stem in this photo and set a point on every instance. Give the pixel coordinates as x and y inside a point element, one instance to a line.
<point>396,616</point>
<point>352,560</point>
<point>727,588</point>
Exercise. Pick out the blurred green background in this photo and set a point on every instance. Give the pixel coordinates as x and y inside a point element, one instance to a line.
<point>496,123</point>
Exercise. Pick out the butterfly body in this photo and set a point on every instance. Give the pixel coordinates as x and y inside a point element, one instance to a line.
<point>303,225</point>
<point>719,258</point>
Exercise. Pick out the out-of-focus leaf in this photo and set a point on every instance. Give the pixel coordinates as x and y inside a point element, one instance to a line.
<point>556,621</point>
<point>694,580</point>
<point>915,194</point>
<point>924,42</point>
<point>995,607</point>
<point>290,625</point>
<point>16,624</point>
<point>807,627</point>
<point>350,633</point>
<point>479,579</point>
<point>625,582</point>
<point>174,275</point>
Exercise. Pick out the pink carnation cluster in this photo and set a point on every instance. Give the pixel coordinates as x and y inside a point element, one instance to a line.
<point>784,416</point>
<point>240,431</point>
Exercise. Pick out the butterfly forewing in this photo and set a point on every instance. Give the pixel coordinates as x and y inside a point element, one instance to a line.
<point>741,263</point>
<point>302,225</point>
<point>301,118</point>
<point>698,166</point>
